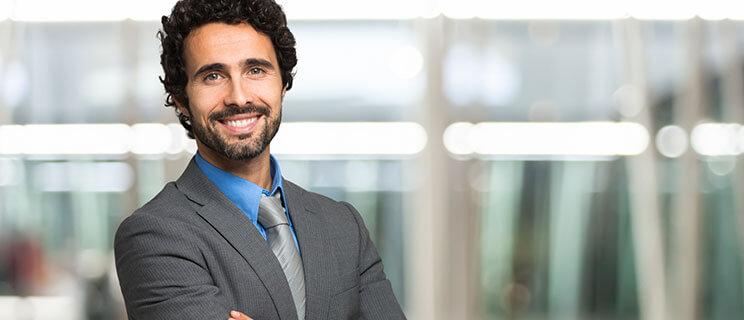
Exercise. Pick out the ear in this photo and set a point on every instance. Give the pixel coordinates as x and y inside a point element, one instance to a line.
<point>181,108</point>
<point>284,91</point>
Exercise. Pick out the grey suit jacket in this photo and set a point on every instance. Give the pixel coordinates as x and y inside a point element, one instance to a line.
<point>190,253</point>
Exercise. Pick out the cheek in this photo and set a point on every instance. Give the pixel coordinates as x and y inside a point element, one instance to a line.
<point>270,95</point>
<point>202,100</point>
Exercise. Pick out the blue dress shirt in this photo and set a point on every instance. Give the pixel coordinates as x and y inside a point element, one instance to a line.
<point>244,194</point>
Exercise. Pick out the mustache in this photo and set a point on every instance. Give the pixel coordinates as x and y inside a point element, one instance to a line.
<point>232,111</point>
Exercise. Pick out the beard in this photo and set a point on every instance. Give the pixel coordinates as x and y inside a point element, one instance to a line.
<point>246,147</point>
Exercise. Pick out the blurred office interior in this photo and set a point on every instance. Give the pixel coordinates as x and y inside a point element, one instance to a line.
<point>537,159</point>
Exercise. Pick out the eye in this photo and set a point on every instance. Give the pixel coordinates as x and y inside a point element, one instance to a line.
<point>212,76</point>
<point>255,71</point>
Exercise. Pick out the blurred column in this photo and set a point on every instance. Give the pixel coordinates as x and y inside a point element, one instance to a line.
<point>6,46</point>
<point>643,184</point>
<point>461,285</point>
<point>441,232</point>
<point>5,117</point>
<point>424,223</point>
<point>462,219</point>
<point>685,215</point>
<point>10,45</point>
<point>732,87</point>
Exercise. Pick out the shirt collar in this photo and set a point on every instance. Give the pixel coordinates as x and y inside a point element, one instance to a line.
<point>276,177</point>
<point>244,194</point>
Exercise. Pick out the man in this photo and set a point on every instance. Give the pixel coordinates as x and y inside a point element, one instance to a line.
<point>231,233</point>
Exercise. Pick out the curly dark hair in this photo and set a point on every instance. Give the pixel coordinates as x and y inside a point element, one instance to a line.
<point>266,16</point>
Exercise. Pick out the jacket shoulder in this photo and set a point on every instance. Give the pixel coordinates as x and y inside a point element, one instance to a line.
<point>169,208</point>
<point>169,202</point>
<point>315,201</point>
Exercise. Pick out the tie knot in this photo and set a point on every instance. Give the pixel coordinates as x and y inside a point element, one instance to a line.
<point>271,212</point>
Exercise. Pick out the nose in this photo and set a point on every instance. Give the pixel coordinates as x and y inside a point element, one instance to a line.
<point>239,93</point>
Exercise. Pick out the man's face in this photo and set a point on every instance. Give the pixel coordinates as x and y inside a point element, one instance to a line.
<point>234,89</point>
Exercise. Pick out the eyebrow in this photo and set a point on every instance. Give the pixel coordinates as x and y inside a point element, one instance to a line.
<point>252,62</point>
<point>209,67</point>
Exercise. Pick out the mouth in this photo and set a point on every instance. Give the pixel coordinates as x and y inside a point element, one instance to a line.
<point>240,123</point>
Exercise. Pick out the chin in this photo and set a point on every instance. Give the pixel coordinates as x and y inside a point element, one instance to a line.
<point>244,152</point>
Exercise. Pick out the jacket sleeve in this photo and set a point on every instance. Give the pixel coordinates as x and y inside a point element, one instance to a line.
<point>162,272</point>
<point>377,300</point>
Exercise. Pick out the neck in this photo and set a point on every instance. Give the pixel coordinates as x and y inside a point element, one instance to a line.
<point>256,170</point>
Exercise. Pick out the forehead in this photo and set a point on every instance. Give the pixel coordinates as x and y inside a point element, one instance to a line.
<point>227,44</point>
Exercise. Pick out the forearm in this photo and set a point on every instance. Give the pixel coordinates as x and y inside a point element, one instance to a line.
<point>377,300</point>
<point>162,275</point>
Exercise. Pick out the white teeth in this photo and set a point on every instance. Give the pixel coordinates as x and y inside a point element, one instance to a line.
<point>240,123</point>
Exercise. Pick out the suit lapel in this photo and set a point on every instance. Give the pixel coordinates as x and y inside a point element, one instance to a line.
<point>240,232</point>
<point>314,249</point>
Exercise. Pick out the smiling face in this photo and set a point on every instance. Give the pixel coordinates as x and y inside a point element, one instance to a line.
<point>234,91</point>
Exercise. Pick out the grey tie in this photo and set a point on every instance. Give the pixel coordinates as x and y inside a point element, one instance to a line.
<point>272,217</point>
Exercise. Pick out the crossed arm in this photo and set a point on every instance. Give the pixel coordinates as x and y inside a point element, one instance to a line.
<point>162,273</point>
<point>137,303</point>
<point>235,315</point>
